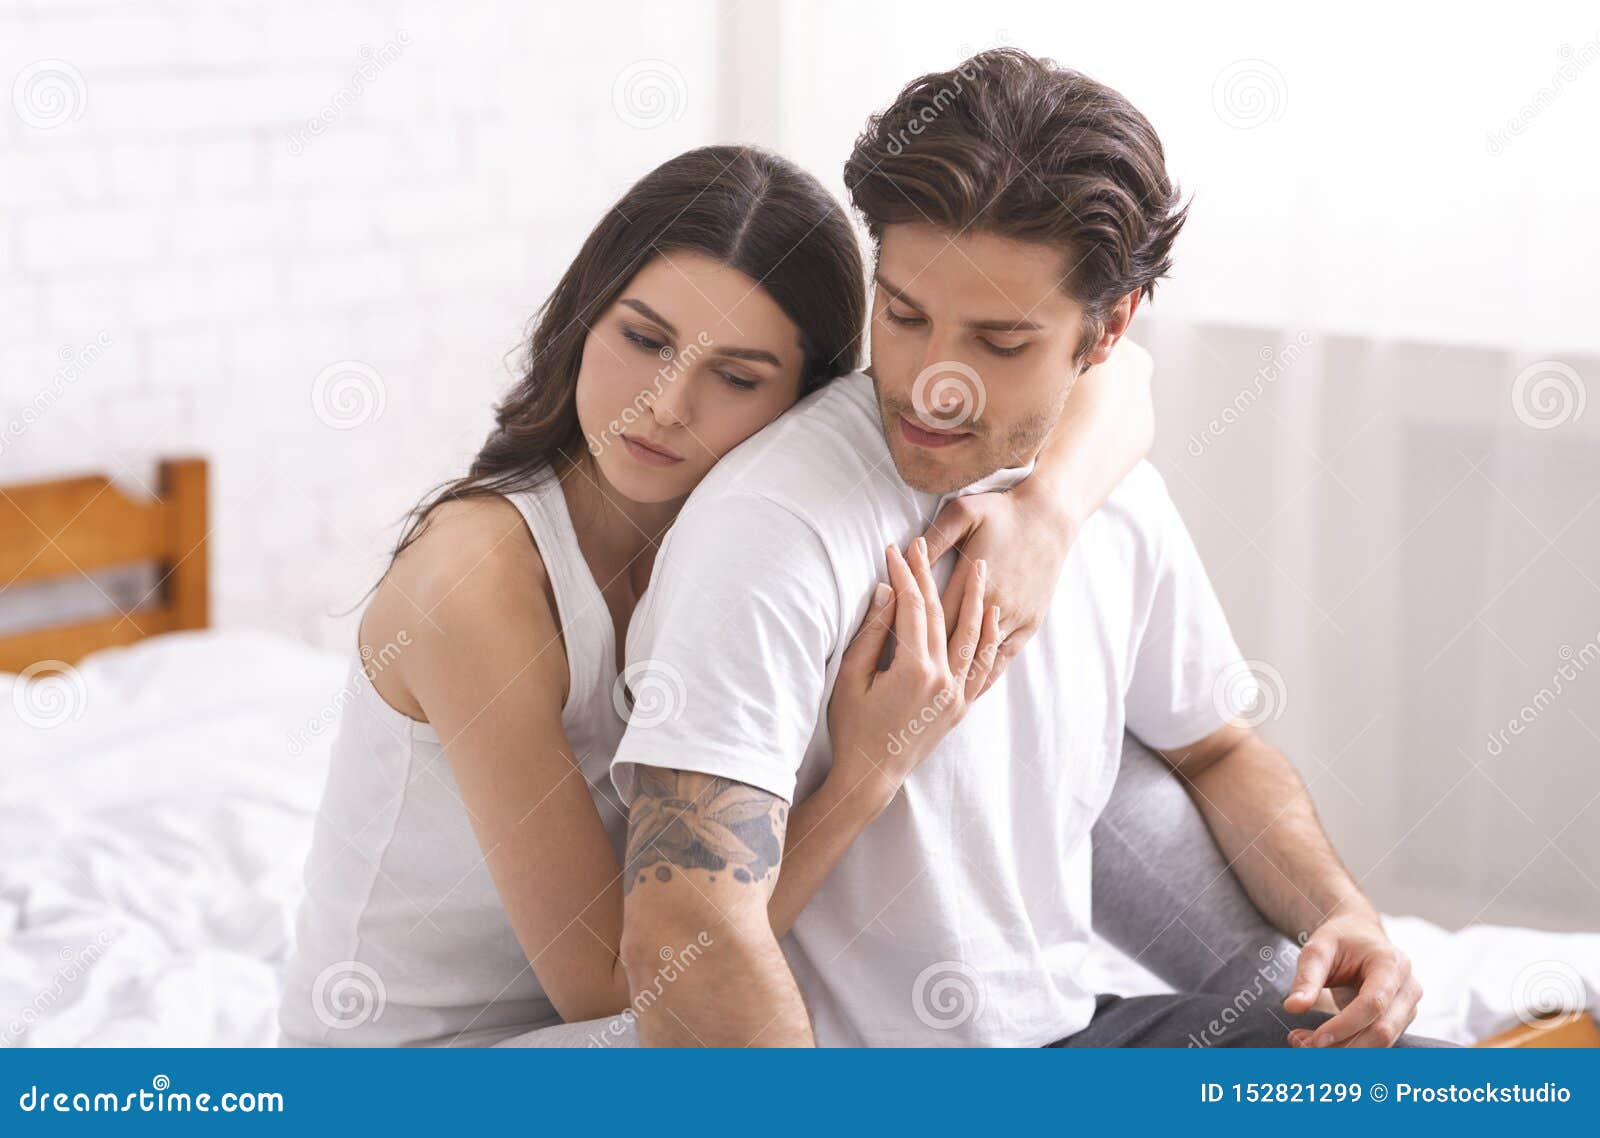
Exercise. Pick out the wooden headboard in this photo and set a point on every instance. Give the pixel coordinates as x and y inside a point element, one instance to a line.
<point>75,526</point>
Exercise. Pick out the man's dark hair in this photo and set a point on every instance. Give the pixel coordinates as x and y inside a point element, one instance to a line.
<point>1013,145</point>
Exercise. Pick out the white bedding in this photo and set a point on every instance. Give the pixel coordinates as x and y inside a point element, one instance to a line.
<point>155,813</point>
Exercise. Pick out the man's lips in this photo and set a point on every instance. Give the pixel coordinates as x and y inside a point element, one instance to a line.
<point>651,454</point>
<point>918,435</point>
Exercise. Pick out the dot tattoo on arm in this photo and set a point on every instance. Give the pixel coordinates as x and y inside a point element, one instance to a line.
<point>686,821</point>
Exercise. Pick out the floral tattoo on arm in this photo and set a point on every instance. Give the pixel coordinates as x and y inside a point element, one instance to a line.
<point>685,820</point>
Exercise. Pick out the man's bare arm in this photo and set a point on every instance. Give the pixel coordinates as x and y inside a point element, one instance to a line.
<point>703,857</point>
<point>1263,819</point>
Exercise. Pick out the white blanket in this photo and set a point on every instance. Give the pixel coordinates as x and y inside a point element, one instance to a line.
<point>156,806</point>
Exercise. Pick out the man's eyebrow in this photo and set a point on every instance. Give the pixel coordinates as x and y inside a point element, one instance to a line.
<point>649,313</point>
<point>995,325</point>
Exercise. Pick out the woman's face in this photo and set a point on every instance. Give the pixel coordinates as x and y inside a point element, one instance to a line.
<point>692,359</point>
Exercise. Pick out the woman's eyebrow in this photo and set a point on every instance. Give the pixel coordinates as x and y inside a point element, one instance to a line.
<point>755,355</point>
<point>649,313</point>
<point>758,355</point>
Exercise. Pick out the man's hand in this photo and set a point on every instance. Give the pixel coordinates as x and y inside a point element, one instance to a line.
<point>1371,979</point>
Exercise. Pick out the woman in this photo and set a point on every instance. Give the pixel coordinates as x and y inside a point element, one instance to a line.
<point>463,885</point>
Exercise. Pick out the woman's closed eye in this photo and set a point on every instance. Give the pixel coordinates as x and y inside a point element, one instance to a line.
<point>905,320</point>
<point>644,342</point>
<point>742,383</point>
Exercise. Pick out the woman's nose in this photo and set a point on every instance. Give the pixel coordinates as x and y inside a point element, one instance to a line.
<point>671,404</point>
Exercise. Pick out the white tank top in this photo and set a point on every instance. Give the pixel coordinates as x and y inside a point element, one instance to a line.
<point>402,938</point>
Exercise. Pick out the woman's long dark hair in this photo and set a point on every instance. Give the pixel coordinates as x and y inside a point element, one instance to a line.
<point>748,209</point>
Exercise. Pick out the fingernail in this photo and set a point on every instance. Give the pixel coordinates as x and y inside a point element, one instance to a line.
<point>881,595</point>
<point>922,546</point>
<point>983,567</point>
<point>1324,1040</point>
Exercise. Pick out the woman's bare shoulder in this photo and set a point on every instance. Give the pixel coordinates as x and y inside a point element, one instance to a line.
<point>471,584</point>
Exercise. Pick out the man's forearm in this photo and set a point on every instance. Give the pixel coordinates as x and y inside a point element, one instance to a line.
<point>1263,819</point>
<point>703,964</point>
<point>725,985</point>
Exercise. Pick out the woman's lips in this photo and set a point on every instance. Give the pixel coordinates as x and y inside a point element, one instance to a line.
<point>651,454</point>
<point>918,435</point>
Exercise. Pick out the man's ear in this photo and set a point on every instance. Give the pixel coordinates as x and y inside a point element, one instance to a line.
<point>1115,326</point>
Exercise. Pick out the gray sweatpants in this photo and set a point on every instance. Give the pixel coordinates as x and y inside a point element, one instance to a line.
<point>1162,894</point>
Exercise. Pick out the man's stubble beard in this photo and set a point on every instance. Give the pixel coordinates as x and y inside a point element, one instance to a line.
<point>919,470</point>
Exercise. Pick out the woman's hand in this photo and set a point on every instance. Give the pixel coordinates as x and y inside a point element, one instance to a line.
<point>884,723</point>
<point>1023,535</point>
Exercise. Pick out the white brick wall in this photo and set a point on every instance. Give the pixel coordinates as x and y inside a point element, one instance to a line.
<point>228,266</point>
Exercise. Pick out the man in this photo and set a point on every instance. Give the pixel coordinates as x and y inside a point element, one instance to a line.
<point>1020,213</point>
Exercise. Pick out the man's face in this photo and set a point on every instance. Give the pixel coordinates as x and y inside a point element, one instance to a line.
<point>973,348</point>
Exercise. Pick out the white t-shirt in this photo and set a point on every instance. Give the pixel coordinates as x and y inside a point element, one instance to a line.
<point>961,915</point>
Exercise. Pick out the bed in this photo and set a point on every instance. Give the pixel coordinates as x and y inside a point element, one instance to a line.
<point>158,781</point>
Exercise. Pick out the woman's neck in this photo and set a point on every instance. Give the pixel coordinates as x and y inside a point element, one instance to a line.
<point>618,537</point>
